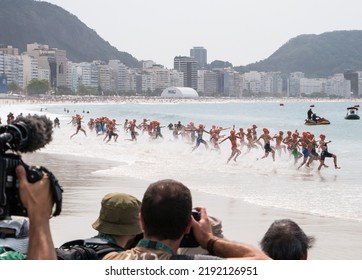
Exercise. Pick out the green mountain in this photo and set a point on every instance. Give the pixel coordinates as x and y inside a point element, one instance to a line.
<point>315,55</point>
<point>27,21</point>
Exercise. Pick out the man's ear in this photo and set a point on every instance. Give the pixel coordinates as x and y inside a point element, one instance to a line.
<point>188,228</point>
<point>142,223</point>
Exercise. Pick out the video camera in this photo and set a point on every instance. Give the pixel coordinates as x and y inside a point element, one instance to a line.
<point>25,134</point>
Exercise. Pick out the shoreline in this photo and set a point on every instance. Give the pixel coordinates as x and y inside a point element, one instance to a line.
<point>241,221</point>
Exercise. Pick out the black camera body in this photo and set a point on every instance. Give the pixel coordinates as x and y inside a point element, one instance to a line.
<point>25,135</point>
<point>189,240</point>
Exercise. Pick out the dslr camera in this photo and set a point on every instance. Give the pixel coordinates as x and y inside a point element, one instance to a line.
<point>189,240</point>
<point>25,134</point>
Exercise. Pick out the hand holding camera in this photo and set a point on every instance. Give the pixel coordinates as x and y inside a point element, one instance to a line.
<point>201,228</point>
<point>36,197</point>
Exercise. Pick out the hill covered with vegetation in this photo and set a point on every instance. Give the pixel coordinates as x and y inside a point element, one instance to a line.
<point>27,21</point>
<point>316,55</point>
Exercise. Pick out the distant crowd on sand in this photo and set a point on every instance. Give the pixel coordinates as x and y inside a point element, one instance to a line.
<point>304,147</point>
<point>72,99</point>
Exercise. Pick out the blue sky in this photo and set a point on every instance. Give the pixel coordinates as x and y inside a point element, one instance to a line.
<point>237,31</point>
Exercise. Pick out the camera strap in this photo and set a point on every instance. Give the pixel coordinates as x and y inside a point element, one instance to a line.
<point>57,191</point>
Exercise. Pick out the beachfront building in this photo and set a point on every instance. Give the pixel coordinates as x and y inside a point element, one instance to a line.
<point>252,82</point>
<point>211,83</point>
<point>11,66</point>
<point>72,76</point>
<point>105,77</point>
<point>3,84</point>
<point>148,83</point>
<point>179,92</point>
<point>51,59</point>
<point>88,74</point>
<point>161,75</point>
<point>293,84</point>
<point>119,75</point>
<point>188,66</point>
<point>338,86</point>
<point>30,69</point>
<point>7,49</point>
<point>201,81</point>
<point>262,83</point>
<point>271,83</point>
<point>200,55</point>
<point>176,78</point>
<point>232,84</point>
<point>309,87</point>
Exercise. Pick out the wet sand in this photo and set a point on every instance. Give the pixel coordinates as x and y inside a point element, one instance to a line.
<point>336,239</point>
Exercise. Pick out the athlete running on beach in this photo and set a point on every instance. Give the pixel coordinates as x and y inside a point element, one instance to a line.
<point>267,148</point>
<point>288,140</point>
<point>294,147</point>
<point>78,121</point>
<point>255,135</point>
<point>313,150</point>
<point>279,146</point>
<point>249,138</point>
<point>305,143</point>
<point>242,135</point>
<point>111,127</point>
<point>323,146</point>
<point>234,146</point>
<point>132,128</point>
<point>200,131</point>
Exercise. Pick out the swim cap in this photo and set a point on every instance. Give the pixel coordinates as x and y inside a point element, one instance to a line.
<point>232,132</point>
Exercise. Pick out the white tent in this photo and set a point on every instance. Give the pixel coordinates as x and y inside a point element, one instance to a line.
<point>179,92</point>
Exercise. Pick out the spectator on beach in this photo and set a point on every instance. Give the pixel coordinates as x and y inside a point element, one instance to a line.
<point>14,238</point>
<point>118,220</point>
<point>285,240</point>
<point>37,198</point>
<point>166,216</point>
<point>118,229</point>
<point>56,122</point>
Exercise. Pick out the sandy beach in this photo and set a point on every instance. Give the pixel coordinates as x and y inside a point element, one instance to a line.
<point>336,239</point>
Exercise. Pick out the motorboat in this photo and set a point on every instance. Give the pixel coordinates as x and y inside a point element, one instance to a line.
<point>320,121</point>
<point>352,113</point>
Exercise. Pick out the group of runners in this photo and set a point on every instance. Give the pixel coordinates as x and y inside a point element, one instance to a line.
<point>301,146</point>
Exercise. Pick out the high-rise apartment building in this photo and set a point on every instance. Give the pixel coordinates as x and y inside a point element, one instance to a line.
<point>200,55</point>
<point>50,59</point>
<point>188,66</point>
<point>354,78</point>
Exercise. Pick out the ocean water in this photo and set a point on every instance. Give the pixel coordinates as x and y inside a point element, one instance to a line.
<point>279,184</point>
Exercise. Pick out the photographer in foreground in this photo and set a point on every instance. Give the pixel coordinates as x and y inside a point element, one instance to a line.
<point>38,200</point>
<point>166,217</point>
